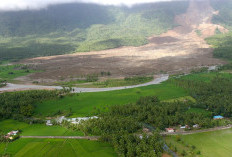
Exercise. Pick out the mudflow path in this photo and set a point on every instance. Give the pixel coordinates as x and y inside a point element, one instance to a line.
<point>177,50</point>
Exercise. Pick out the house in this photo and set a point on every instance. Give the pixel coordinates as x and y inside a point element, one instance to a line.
<point>49,123</point>
<point>170,130</point>
<point>218,117</point>
<point>184,127</point>
<point>146,130</point>
<point>60,119</point>
<point>196,126</point>
<point>11,135</point>
<point>79,119</point>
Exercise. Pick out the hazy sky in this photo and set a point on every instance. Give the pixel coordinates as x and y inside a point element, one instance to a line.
<point>37,4</point>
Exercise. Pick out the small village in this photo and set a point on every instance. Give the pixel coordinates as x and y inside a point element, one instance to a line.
<point>187,127</point>
<point>74,121</point>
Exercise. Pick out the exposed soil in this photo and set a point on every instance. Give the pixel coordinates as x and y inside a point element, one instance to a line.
<point>178,50</point>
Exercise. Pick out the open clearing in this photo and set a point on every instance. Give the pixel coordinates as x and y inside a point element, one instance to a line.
<point>177,50</point>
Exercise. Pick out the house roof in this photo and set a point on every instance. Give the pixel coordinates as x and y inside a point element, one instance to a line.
<point>217,117</point>
<point>169,129</point>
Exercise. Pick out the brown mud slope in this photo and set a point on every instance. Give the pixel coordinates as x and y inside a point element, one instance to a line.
<point>178,50</point>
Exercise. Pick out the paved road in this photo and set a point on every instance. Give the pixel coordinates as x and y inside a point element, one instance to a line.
<point>63,137</point>
<point>19,87</point>
<point>168,150</point>
<point>197,131</point>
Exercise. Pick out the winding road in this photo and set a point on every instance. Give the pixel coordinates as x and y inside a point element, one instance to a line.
<point>20,87</point>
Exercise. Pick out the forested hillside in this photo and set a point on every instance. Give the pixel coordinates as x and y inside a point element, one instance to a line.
<point>222,42</point>
<point>224,16</point>
<point>67,28</point>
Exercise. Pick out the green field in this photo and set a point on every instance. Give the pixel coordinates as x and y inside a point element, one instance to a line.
<point>36,129</point>
<point>11,72</point>
<point>84,104</point>
<point>119,82</point>
<point>56,147</point>
<point>210,144</point>
<point>85,83</point>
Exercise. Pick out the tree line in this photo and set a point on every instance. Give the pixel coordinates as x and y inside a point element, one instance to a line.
<point>214,96</point>
<point>21,105</point>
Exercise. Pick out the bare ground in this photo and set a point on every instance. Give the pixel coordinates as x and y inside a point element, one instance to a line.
<point>177,51</point>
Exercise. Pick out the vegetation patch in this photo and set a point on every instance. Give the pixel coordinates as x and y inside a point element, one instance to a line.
<point>199,33</point>
<point>200,111</point>
<point>2,83</point>
<point>182,99</point>
<point>119,82</point>
<point>10,72</point>
<point>222,45</point>
<point>212,95</point>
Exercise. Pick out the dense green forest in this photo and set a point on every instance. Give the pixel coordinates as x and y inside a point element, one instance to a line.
<point>222,45</point>
<point>222,42</point>
<point>214,96</point>
<point>68,28</point>
<point>224,17</point>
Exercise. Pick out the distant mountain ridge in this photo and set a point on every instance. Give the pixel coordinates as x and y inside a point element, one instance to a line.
<point>65,17</point>
<point>78,27</point>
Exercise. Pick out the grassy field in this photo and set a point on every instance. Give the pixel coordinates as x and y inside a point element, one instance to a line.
<point>210,144</point>
<point>185,98</point>
<point>85,83</point>
<point>85,104</point>
<point>36,129</point>
<point>56,147</point>
<point>11,72</point>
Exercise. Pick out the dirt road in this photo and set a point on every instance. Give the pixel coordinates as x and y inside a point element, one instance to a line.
<point>63,137</point>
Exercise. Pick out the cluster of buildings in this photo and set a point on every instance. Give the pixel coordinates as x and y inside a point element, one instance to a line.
<point>11,135</point>
<point>171,130</point>
<point>196,126</point>
<point>218,117</point>
<point>71,120</point>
